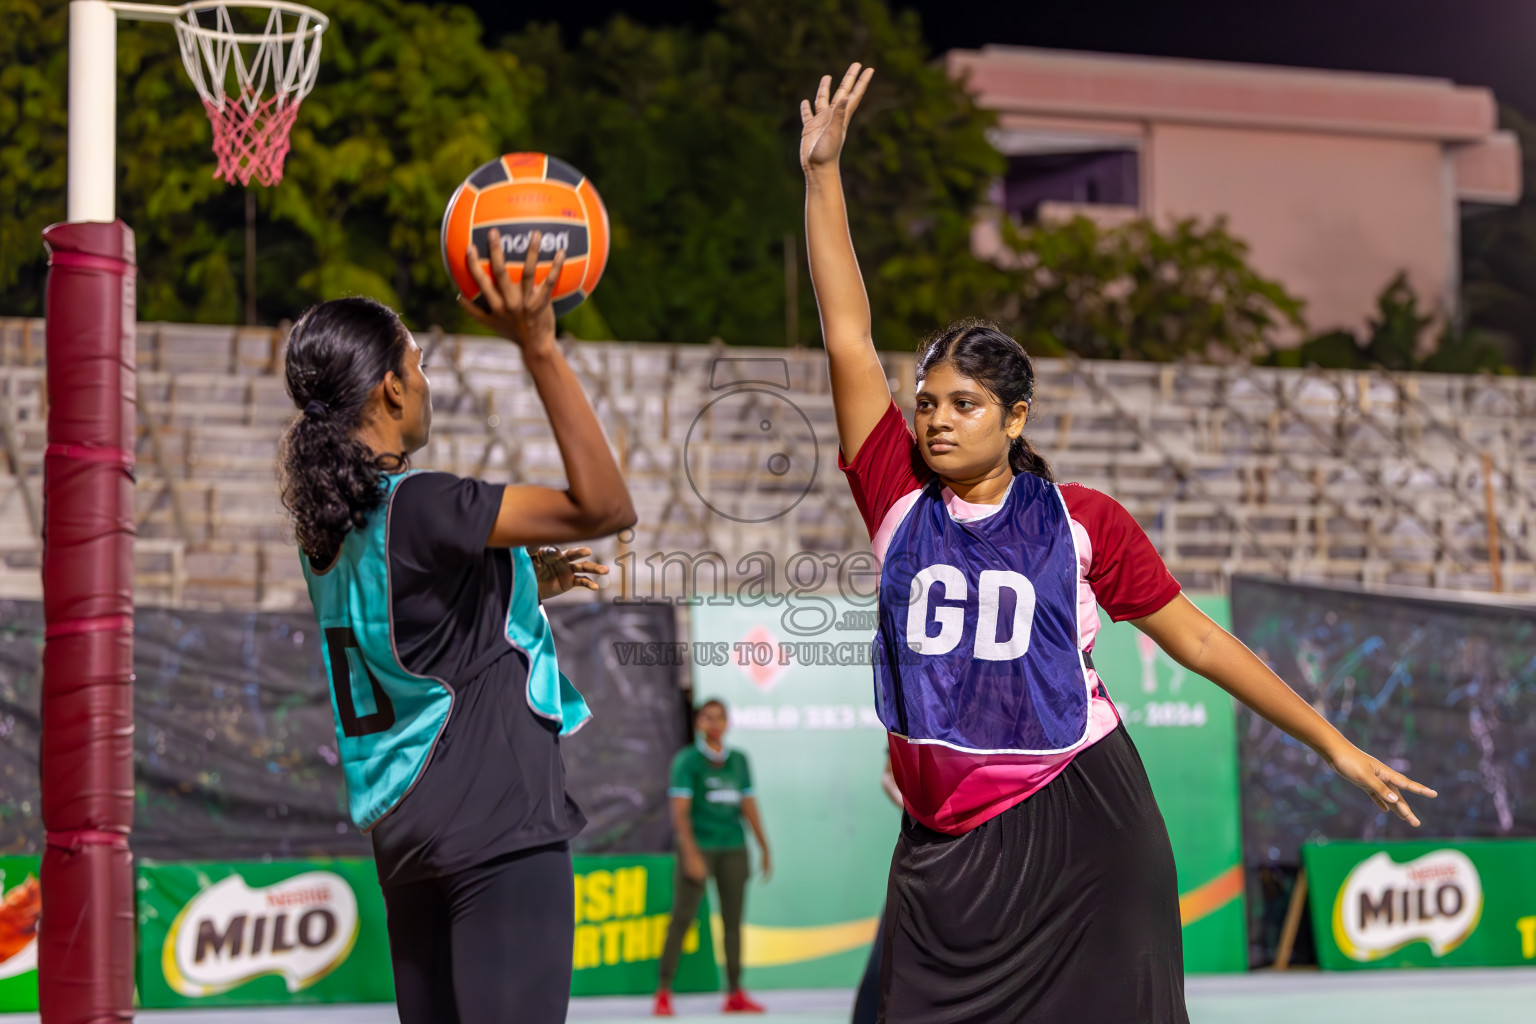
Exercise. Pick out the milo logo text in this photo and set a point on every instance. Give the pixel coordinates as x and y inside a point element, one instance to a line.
<point>1382,905</point>
<point>301,928</point>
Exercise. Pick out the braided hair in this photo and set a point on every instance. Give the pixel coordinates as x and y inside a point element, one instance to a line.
<point>330,481</point>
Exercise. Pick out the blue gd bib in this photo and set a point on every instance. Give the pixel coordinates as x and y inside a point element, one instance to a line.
<point>977,643</point>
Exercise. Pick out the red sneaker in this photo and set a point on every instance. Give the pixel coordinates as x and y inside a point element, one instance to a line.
<point>663,1006</point>
<point>737,1002</point>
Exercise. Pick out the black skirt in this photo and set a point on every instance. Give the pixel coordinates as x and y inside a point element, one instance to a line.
<point>1064,909</point>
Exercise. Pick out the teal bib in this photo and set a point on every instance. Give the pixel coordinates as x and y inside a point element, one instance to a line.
<point>388,719</point>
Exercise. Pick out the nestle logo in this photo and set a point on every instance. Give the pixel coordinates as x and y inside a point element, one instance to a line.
<point>298,897</point>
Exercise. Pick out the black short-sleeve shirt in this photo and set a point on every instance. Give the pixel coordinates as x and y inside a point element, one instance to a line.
<point>495,783</point>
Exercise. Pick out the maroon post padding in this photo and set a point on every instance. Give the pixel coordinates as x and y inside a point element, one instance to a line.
<point>85,943</point>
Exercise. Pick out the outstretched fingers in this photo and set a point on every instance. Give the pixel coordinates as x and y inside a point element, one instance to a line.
<point>845,87</point>
<point>857,93</point>
<point>1389,799</point>
<point>500,281</point>
<point>1402,781</point>
<point>587,573</point>
<point>547,289</point>
<point>530,265</point>
<point>841,104</point>
<point>482,281</point>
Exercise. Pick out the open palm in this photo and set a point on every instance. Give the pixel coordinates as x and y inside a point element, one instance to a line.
<point>824,127</point>
<point>520,309</point>
<point>559,571</point>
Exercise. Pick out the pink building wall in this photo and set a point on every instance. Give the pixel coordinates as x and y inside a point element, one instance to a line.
<point>1334,217</point>
<point>1336,180</point>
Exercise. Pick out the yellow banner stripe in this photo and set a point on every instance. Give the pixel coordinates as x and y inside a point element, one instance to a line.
<point>1206,899</point>
<point>765,946</point>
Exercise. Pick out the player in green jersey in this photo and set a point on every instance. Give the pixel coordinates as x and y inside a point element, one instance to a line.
<point>711,792</point>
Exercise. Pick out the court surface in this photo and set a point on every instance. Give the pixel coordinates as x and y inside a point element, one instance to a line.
<point>1301,997</point>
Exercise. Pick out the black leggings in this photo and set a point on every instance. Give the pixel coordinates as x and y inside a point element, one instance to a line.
<point>489,944</point>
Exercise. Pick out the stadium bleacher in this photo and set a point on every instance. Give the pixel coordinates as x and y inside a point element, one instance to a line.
<point>1373,478</point>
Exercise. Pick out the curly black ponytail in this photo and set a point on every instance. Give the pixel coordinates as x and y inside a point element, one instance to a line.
<point>983,352</point>
<point>337,353</point>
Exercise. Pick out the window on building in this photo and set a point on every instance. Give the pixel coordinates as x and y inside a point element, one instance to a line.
<point>1102,177</point>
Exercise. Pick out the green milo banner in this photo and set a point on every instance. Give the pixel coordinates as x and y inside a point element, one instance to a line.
<point>256,933</point>
<point>623,907</point>
<point>799,686</point>
<point>20,907</point>
<point>314,932</point>
<point>1423,903</point>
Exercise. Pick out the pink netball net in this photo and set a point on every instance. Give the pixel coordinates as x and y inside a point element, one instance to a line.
<point>252,75</point>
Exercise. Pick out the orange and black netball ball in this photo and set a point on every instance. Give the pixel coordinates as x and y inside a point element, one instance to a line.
<point>519,194</point>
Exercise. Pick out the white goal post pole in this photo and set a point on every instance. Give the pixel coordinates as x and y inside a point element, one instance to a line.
<point>92,156</point>
<point>91,171</point>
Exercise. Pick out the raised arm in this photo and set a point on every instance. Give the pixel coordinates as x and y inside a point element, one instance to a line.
<point>596,500</point>
<point>860,392</point>
<point>1200,645</point>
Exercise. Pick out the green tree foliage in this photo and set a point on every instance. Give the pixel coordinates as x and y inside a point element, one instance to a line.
<point>409,101</point>
<point>1138,291</point>
<point>696,190</point>
<point>918,166</point>
<point>690,137</point>
<point>32,77</point>
<point>1499,270</point>
<point>1393,340</point>
<point>188,226</point>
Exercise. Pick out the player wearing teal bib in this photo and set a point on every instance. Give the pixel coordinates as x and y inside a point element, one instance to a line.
<point>448,699</point>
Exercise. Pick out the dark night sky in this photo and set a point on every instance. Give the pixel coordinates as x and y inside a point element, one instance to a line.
<point>1475,42</point>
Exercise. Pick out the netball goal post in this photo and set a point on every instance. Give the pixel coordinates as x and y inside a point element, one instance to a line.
<point>252,64</point>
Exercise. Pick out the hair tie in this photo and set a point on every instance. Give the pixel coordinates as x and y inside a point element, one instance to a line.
<point>316,409</point>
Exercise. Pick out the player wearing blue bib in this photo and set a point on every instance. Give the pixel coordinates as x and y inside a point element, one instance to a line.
<point>1033,879</point>
<point>448,699</point>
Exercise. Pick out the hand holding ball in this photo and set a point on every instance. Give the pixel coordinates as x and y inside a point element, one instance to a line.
<point>521,195</point>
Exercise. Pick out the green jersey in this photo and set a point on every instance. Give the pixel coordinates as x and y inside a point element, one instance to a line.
<point>716,783</point>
